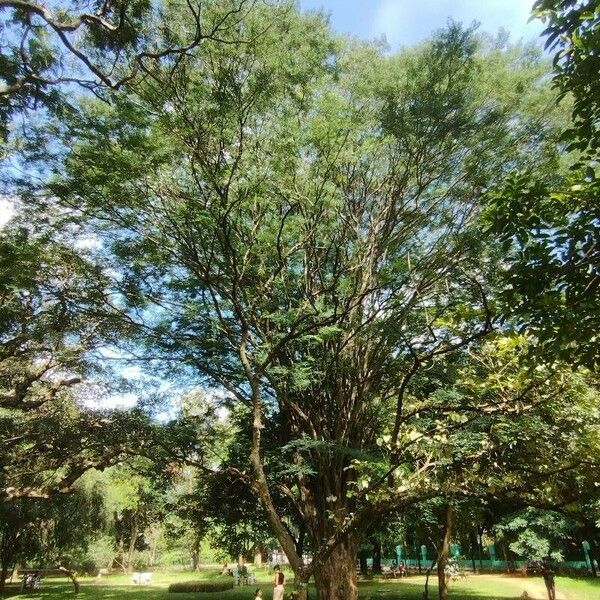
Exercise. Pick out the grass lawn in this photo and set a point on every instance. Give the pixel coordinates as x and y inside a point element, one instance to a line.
<point>579,589</point>
<point>473,587</point>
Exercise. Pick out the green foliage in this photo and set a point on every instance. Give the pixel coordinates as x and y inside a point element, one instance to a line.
<point>550,229</point>
<point>573,31</point>
<point>535,534</point>
<point>551,242</point>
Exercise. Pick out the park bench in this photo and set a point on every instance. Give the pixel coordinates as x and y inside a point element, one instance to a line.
<point>243,577</point>
<point>141,578</point>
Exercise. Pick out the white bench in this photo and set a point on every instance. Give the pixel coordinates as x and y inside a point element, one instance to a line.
<point>142,578</point>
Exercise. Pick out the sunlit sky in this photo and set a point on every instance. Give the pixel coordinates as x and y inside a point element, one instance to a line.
<point>405,22</point>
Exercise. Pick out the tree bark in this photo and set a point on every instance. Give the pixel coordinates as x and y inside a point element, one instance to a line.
<point>3,575</point>
<point>335,579</point>
<point>443,553</point>
<point>376,556</point>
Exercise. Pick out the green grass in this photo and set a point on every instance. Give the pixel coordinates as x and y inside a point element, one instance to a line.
<point>478,587</point>
<point>579,589</point>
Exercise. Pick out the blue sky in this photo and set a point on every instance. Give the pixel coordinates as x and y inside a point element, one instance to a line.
<point>405,22</point>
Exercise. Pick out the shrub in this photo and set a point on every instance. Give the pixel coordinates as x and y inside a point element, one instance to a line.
<point>202,586</point>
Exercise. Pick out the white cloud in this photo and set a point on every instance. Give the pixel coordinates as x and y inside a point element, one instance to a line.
<point>6,211</point>
<point>112,401</point>
<point>405,22</point>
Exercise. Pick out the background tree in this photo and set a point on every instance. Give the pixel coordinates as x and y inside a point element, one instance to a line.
<point>50,533</point>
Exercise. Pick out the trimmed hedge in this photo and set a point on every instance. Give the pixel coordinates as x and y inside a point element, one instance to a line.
<point>202,586</point>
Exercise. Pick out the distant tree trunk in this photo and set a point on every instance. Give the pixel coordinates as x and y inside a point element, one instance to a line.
<point>133,540</point>
<point>362,557</point>
<point>376,556</point>
<point>443,554</point>
<point>195,558</point>
<point>504,550</point>
<point>426,590</point>
<point>473,540</point>
<point>480,546</point>
<point>72,576</point>
<point>195,551</point>
<point>257,556</point>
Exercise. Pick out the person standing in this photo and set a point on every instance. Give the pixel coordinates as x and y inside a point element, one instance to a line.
<point>279,591</point>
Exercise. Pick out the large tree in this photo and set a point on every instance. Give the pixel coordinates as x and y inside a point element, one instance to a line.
<point>295,220</point>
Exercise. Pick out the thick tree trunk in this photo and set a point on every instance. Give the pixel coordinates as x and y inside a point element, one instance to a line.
<point>443,553</point>
<point>335,579</point>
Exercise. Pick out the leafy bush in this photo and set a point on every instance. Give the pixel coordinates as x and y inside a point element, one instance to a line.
<point>202,586</point>
<point>141,561</point>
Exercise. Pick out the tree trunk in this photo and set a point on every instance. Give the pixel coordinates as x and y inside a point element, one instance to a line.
<point>335,579</point>
<point>377,557</point>
<point>72,576</point>
<point>195,559</point>
<point>503,549</point>
<point>3,576</point>
<point>426,590</point>
<point>473,539</point>
<point>594,555</point>
<point>362,557</point>
<point>443,553</point>
<point>132,541</point>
